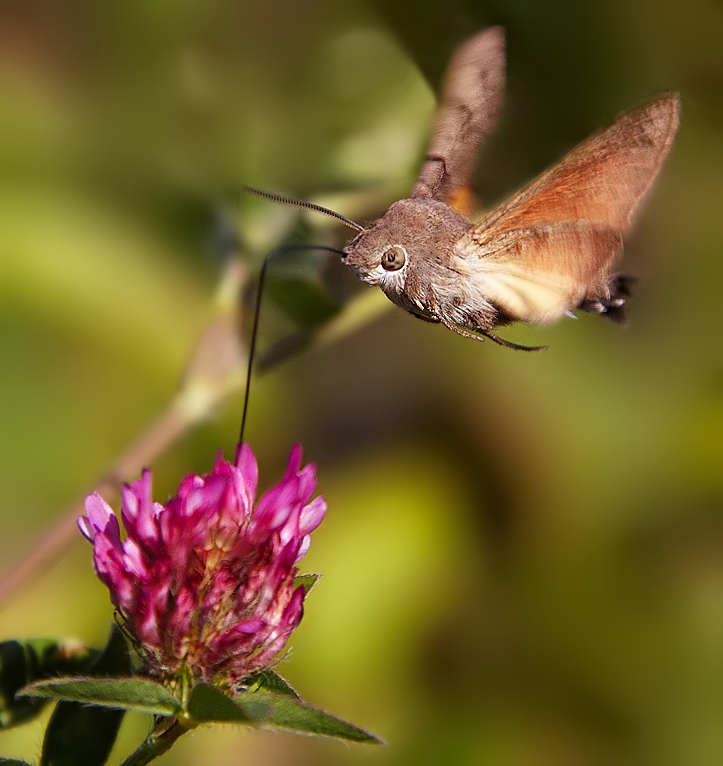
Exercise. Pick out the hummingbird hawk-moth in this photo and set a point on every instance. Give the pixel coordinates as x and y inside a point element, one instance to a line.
<point>549,249</point>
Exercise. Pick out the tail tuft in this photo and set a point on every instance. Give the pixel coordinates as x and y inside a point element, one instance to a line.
<point>612,302</point>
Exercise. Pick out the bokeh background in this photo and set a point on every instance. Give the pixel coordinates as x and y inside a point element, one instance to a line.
<point>523,555</point>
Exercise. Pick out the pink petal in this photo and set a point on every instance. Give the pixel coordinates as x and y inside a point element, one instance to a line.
<point>85,528</point>
<point>274,508</point>
<point>139,512</point>
<point>303,548</point>
<point>248,470</point>
<point>102,519</point>
<point>249,626</point>
<point>294,462</point>
<point>307,483</point>
<point>312,515</point>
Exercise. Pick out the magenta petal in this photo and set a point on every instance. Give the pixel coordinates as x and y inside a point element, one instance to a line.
<point>139,512</point>
<point>98,510</point>
<point>86,528</point>
<point>101,517</point>
<point>248,471</point>
<point>294,462</point>
<point>185,604</point>
<point>292,613</point>
<point>312,515</point>
<point>307,483</point>
<point>274,507</point>
<point>249,626</point>
<point>134,559</point>
<point>303,548</point>
<point>286,557</point>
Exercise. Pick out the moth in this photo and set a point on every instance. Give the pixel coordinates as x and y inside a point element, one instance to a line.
<point>549,249</point>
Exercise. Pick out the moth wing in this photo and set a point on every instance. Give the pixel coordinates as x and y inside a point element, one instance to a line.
<point>604,179</point>
<point>537,274</point>
<point>469,108</point>
<point>552,243</point>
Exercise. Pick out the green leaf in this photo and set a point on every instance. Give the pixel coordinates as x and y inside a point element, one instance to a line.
<point>14,674</point>
<point>115,659</point>
<point>139,694</point>
<point>305,302</point>
<point>297,282</point>
<point>80,734</point>
<point>208,704</point>
<point>22,662</point>
<point>363,309</point>
<point>307,580</point>
<point>85,734</point>
<point>283,712</point>
<point>268,681</point>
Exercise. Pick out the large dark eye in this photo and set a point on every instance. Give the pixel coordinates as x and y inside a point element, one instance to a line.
<point>394,258</point>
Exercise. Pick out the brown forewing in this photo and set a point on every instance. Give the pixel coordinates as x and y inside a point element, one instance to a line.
<point>602,180</point>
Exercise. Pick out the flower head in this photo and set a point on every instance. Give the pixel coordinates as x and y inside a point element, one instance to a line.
<point>207,581</point>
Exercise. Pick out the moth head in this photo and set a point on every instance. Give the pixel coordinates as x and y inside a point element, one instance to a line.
<point>411,235</point>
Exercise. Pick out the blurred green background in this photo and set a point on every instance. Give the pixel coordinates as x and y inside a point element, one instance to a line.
<point>523,554</point>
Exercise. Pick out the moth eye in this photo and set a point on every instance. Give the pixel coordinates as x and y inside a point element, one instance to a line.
<point>394,258</point>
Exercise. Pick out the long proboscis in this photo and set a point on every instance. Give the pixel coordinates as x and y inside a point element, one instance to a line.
<point>291,202</point>
<point>257,311</point>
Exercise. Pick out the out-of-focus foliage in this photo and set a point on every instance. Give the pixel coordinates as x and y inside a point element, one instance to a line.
<point>523,555</point>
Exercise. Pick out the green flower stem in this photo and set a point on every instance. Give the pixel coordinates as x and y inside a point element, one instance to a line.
<point>158,742</point>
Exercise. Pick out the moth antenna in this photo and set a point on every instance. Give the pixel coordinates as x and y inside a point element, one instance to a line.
<point>257,312</point>
<point>291,202</point>
<point>494,338</point>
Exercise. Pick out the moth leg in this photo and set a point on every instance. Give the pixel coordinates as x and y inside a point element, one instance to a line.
<point>495,338</point>
<point>508,344</point>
